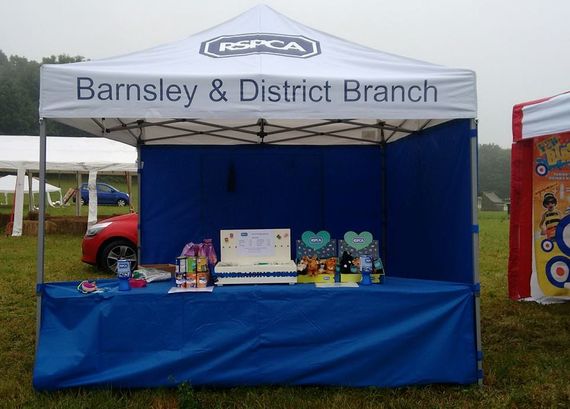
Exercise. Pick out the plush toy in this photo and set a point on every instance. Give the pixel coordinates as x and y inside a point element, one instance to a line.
<point>330,265</point>
<point>355,265</point>
<point>302,265</point>
<point>378,266</point>
<point>322,266</point>
<point>345,263</point>
<point>313,266</point>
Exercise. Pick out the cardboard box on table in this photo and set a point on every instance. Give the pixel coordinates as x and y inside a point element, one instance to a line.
<point>357,245</point>
<point>261,256</point>
<point>318,245</point>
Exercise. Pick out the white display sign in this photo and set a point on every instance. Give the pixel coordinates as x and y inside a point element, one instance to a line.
<point>256,244</point>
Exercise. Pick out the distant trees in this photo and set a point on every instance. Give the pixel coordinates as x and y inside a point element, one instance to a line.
<point>494,170</point>
<point>19,99</point>
<point>19,95</point>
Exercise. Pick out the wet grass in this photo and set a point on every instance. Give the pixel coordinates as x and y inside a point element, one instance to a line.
<point>526,346</point>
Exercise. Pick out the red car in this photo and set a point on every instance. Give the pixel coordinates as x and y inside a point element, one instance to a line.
<point>110,240</point>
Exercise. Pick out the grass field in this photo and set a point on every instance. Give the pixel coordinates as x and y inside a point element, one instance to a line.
<point>526,346</point>
<point>66,181</point>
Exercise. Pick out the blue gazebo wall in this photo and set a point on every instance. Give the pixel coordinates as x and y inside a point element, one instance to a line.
<point>191,192</point>
<point>429,204</point>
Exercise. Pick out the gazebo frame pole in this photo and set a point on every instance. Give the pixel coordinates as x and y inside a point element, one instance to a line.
<point>41,227</point>
<point>139,178</point>
<point>475,230</point>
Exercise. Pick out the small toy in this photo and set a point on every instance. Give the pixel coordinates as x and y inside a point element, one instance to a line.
<point>87,287</point>
<point>366,269</point>
<point>378,266</point>
<point>355,265</point>
<point>302,265</point>
<point>330,265</point>
<point>346,263</point>
<point>313,266</point>
<point>322,269</point>
<point>137,282</point>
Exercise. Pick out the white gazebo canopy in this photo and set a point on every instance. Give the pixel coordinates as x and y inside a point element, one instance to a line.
<point>260,77</point>
<point>21,154</point>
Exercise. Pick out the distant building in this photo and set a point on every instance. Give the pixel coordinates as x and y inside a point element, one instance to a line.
<point>491,202</point>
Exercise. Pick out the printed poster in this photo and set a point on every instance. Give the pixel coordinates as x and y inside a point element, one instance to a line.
<point>551,216</point>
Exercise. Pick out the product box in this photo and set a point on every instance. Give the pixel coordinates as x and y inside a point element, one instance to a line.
<point>255,256</point>
<point>316,258</point>
<point>361,244</point>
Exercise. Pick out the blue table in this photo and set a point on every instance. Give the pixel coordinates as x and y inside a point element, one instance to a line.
<point>399,333</point>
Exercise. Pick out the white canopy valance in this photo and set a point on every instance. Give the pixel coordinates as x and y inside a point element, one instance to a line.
<point>545,116</point>
<point>66,154</point>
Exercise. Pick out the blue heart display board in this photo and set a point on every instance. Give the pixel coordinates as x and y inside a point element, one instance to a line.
<point>359,244</point>
<point>316,244</point>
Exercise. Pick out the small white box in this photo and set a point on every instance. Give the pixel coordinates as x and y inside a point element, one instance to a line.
<point>261,256</point>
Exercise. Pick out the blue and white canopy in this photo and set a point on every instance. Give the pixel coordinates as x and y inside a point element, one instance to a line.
<point>260,77</point>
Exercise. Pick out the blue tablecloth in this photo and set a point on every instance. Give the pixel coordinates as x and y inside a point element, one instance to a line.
<point>399,333</point>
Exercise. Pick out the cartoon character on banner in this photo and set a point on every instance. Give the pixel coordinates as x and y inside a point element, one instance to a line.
<point>550,217</point>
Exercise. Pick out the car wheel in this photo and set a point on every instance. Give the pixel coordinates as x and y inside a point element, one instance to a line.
<point>121,202</point>
<point>114,251</point>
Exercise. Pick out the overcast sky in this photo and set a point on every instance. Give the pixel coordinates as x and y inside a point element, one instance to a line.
<point>518,48</point>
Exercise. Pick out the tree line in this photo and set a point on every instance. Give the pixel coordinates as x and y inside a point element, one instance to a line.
<point>19,99</point>
<point>20,95</point>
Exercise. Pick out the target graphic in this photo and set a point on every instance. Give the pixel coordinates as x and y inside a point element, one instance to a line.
<point>541,170</point>
<point>563,235</point>
<point>557,271</point>
<point>546,246</point>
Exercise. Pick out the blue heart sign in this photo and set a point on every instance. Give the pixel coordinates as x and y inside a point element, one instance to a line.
<point>316,241</point>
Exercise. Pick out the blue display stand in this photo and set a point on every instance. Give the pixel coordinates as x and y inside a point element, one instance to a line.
<point>403,332</point>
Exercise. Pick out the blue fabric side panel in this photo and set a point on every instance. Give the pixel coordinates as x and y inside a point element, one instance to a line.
<point>400,333</point>
<point>429,231</point>
<point>190,193</point>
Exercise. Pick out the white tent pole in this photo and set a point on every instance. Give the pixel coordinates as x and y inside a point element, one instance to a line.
<point>17,227</point>
<point>78,195</point>
<point>31,193</point>
<point>41,226</point>
<point>92,185</point>
<point>475,226</point>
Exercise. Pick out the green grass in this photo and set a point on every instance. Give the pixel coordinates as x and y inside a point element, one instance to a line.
<point>526,346</point>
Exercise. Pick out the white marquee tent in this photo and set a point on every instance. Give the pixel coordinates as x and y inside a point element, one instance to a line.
<point>21,153</point>
<point>8,185</point>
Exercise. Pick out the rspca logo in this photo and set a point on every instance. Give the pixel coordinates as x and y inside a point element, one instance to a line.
<point>358,240</point>
<point>316,240</point>
<point>261,43</point>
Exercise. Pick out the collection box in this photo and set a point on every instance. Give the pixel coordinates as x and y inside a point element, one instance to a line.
<point>255,256</point>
